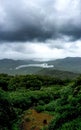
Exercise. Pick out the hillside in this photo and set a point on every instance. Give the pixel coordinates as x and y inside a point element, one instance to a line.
<point>58,73</point>
<point>39,103</point>
<point>72,64</point>
<point>9,66</point>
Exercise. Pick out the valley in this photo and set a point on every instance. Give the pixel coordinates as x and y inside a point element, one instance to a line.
<point>12,67</point>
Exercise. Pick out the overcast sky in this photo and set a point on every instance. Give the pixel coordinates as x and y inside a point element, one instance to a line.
<point>40,29</point>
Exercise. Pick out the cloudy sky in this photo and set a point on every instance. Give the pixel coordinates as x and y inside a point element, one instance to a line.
<point>40,29</point>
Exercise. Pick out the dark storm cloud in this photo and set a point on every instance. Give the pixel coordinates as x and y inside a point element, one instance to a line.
<point>71,31</point>
<point>23,20</point>
<point>25,34</point>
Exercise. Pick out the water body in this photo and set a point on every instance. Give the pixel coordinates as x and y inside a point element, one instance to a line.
<point>44,65</point>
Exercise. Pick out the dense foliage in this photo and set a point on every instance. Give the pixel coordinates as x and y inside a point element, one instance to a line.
<point>61,98</point>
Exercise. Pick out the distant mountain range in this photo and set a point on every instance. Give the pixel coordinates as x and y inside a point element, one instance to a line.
<point>71,64</point>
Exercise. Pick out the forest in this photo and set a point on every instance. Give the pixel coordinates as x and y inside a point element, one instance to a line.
<point>60,99</point>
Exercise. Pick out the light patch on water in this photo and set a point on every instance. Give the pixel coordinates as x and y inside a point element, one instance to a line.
<point>44,65</point>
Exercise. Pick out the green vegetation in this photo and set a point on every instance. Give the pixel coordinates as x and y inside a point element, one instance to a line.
<point>60,98</point>
<point>53,72</point>
<point>71,64</point>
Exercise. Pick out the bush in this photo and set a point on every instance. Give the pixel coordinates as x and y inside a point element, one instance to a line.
<point>50,106</point>
<point>39,108</point>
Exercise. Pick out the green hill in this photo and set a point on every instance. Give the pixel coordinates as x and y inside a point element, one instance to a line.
<point>58,73</point>
<point>71,64</point>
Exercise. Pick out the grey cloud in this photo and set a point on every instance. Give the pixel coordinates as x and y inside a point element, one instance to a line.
<point>72,31</point>
<point>24,20</point>
<point>40,50</point>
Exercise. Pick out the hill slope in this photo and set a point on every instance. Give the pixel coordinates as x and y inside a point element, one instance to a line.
<point>58,73</point>
<point>71,64</point>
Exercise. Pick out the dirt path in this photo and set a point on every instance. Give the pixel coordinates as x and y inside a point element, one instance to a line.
<point>35,121</point>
